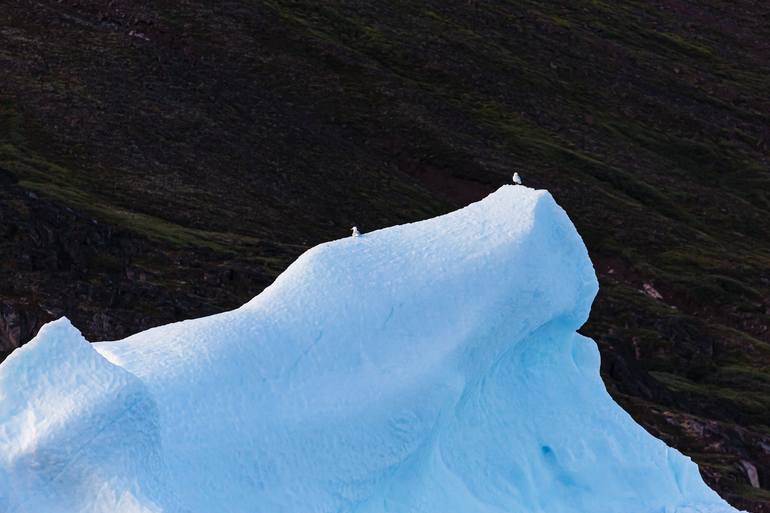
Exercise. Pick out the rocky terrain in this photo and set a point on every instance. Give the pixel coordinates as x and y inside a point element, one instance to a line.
<point>163,160</point>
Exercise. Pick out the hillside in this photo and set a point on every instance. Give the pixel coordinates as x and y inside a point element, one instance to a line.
<point>164,160</point>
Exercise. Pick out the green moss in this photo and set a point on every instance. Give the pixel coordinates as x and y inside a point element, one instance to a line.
<point>743,377</point>
<point>562,22</point>
<point>755,493</point>
<point>682,45</point>
<point>76,191</point>
<point>752,402</point>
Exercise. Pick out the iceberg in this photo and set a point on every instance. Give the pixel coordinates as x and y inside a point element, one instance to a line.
<point>430,367</point>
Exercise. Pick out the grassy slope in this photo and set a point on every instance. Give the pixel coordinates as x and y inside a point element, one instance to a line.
<point>285,123</point>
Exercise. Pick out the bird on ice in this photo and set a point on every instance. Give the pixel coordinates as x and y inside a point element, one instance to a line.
<point>516,179</point>
<point>356,233</point>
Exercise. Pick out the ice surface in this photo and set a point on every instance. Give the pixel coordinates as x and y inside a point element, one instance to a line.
<point>431,367</point>
<point>77,433</point>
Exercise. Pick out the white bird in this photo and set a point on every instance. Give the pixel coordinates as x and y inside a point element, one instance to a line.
<point>356,233</point>
<point>516,179</point>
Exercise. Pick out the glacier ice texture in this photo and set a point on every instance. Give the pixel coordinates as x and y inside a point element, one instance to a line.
<point>430,367</point>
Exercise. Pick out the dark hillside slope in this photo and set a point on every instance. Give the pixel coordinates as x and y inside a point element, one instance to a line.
<point>161,160</point>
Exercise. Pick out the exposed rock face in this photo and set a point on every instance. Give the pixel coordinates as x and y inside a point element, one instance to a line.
<point>111,281</point>
<point>751,473</point>
<point>15,329</point>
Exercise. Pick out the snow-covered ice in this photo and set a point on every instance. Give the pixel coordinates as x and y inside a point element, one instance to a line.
<point>431,367</point>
